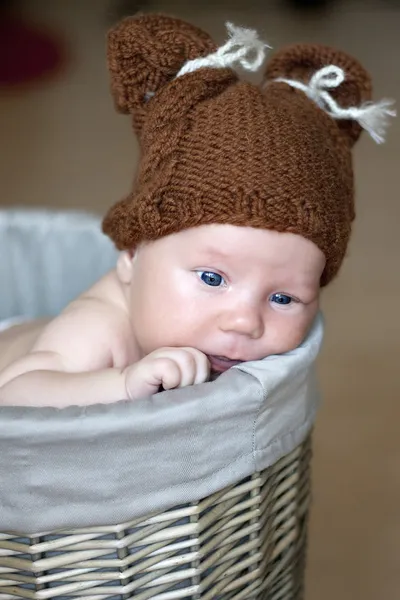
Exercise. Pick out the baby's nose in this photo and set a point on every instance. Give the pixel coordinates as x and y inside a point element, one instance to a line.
<point>244,320</point>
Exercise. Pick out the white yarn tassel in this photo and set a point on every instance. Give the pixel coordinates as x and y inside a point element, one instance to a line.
<point>244,49</point>
<point>373,117</point>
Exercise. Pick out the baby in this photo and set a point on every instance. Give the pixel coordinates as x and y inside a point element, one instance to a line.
<point>240,214</point>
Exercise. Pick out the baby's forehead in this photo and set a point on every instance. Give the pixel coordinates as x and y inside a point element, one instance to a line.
<point>239,243</point>
<point>231,254</point>
<point>215,252</point>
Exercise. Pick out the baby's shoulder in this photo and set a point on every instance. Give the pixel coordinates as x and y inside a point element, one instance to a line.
<point>94,327</point>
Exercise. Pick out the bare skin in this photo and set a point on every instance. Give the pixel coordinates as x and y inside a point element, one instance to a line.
<point>19,340</point>
<point>203,299</point>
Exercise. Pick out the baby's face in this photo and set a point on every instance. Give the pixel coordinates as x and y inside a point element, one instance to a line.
<point>234,293</point>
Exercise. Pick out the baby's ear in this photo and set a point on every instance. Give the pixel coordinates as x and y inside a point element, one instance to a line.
<point>125,267</point>
<point>145,53</point>
<point>301,61</point>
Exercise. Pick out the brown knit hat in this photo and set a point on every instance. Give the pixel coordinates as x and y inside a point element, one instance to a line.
<point>219,150</point>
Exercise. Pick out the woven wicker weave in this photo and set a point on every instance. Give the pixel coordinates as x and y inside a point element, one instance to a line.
<point>245,542</point>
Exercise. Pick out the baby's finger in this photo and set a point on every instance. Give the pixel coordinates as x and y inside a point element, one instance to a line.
<point>167,372</point>
<point>202,365</point>
<point>187,364</point>
<point>145,377</point>
<point>193,364</point>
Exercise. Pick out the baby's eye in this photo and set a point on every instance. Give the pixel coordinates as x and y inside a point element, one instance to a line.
<point>210,278</point>
<point>282,299</point>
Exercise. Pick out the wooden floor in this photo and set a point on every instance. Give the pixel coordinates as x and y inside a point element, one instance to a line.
<point>63,146</point>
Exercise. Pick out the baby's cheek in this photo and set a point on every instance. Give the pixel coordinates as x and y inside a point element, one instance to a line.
<point>287,342</point>
<point>293,333</point>
<point>294,339</point>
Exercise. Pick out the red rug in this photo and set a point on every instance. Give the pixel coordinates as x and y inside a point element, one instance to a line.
<point>28,54</point>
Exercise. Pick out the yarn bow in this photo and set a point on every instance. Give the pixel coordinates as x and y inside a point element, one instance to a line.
<point>373,117</point>
<point>243,49</point>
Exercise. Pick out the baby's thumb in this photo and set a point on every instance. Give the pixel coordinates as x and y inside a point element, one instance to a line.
<point>137,385</point>
<point>146,377</point>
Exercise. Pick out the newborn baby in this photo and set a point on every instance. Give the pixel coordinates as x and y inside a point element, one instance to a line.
<point>240,213</point>
<point>204,298</point>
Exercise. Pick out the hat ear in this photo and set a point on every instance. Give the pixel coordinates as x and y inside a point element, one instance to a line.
<point>145,53</point>
<point>299,63</point>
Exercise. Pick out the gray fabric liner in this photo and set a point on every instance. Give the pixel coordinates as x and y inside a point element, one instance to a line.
<point>106,464</point>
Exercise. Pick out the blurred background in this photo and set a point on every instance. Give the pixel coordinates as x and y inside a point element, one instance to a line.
<point>63,146</point>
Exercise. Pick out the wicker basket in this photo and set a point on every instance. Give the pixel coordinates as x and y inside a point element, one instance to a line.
<point>246,542</point>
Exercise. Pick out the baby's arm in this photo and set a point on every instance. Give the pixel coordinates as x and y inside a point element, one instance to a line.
<point>68,364</point>
<point>56,388</point>
<point>73,362</point>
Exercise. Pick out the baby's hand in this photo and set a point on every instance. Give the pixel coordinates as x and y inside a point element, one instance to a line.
<point>167,367</point>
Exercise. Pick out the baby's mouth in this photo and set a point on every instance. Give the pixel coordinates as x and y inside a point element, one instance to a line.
<point>219,364</point>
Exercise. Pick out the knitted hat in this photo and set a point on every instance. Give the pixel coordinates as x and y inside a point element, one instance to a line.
<point>219,150</point>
